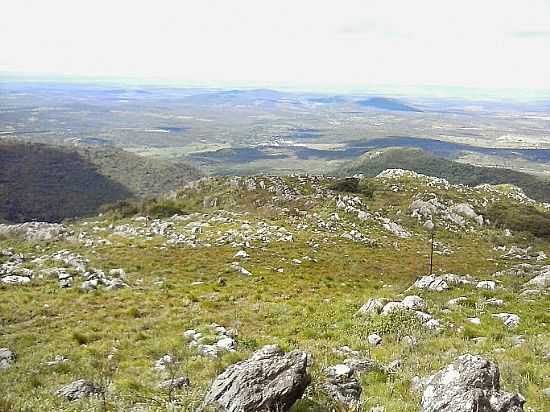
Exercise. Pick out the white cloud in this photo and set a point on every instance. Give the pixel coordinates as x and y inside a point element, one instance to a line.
<point>490,43</point>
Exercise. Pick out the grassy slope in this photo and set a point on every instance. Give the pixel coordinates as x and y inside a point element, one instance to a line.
<point>423,162</point>
<point>310,306</point>
<point>51,183</point>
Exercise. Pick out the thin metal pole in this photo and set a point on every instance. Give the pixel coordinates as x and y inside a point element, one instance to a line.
<point>432,253</point>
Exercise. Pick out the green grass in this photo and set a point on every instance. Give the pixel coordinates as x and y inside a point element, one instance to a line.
<point>310,307</point>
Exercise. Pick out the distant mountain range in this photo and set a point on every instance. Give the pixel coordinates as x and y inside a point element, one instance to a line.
<point>385,103</point>
<point>42,182</point>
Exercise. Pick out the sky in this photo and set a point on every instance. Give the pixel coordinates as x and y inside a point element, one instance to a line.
<point>344,43</point>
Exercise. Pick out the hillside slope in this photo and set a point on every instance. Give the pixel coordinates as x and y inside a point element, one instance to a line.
<point>128,303</point>
<point>50,183</point>
<point>420,161</point>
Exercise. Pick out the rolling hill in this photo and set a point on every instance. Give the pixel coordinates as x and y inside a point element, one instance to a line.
<point>42,182</point>
<point>420,161</point>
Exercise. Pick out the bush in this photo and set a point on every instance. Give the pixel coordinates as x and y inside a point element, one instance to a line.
<point>157,208</point>
<point>122,208</point>
<point>354,185</point>
<point>348,184</point>
<point>522,218</point>
<point>164,208</point>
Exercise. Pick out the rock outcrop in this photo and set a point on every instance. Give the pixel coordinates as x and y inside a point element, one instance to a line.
<point>34,231</point>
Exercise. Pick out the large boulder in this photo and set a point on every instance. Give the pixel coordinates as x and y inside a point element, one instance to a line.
<point>470,384</point>
<point>269,381</point>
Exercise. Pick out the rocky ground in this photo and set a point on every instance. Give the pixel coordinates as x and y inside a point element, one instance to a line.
<point>271,293</point>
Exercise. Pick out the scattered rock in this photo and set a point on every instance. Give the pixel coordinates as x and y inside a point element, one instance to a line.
<point>223,341</point>
<point>34,231</point>
<point>440,283</point>
<point>431,282</point>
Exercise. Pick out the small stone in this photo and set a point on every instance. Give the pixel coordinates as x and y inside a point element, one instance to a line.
<point>373,306</point>
<point>339,370</point>
<point>409,340</point>
<point>163,362</point>
<point>393,366</point>
<point>429,226</point>
<point>475,321</point>
<point>227,344</point>
<point>486,284</point>
<point>494,302</point>
<point>517,340</point>
<point>89,285</point>
<point>413,302</point>
<point>457,301</point>
<point>510,320</point>
<point>176,383</point>
<point>190,334</point>
<point>78,389</point>
<point>374,339</point>
<point>392,307</point>
<point>15,280</point>
<point>7,357</point>
<point>432,324</point>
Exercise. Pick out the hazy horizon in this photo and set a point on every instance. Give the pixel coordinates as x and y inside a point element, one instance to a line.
<point>496,48</point>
